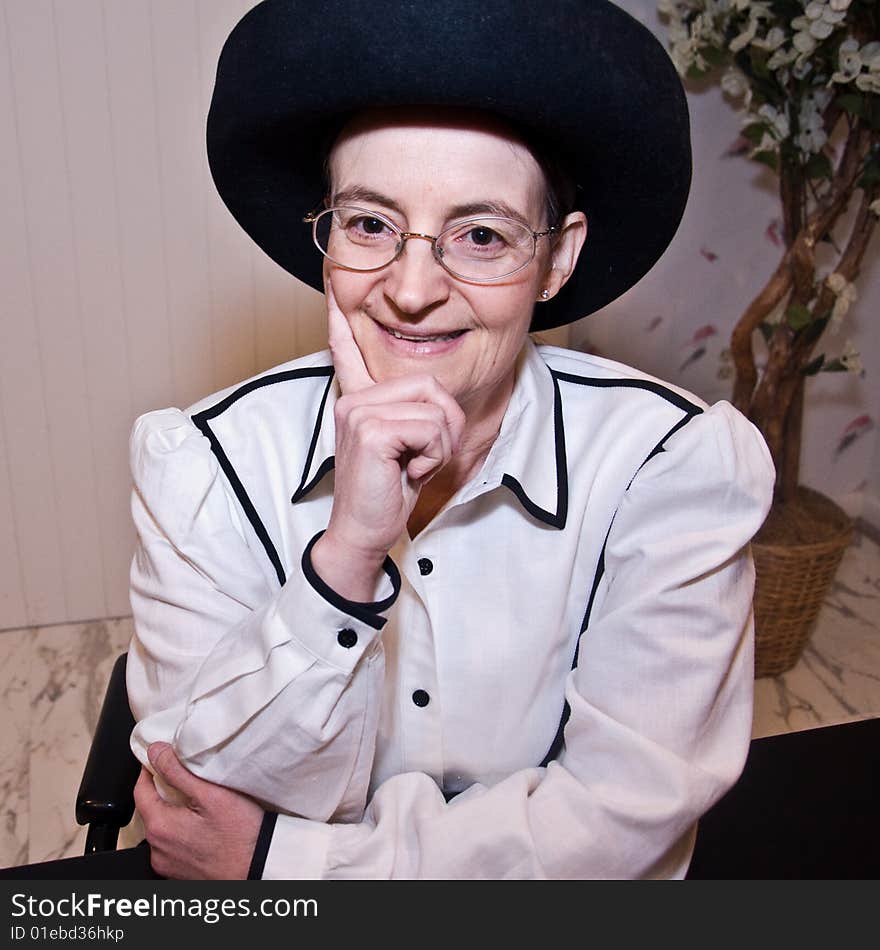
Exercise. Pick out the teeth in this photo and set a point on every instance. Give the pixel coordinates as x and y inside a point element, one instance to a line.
<point>425,339</point>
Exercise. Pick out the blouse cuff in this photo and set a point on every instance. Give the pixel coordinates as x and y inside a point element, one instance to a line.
<point>368,613</point>
<point>297,850</point>
<point>261,848</point>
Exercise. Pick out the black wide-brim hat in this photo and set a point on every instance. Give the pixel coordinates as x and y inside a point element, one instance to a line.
<point>581,75</point>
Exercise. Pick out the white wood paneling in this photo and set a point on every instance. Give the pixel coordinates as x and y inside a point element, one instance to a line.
<point>47,429</point>
<point>12,605</point>
<point>126,285</point>
<point>173,36</point>
<point>140,201</point>
<point>89,145</point>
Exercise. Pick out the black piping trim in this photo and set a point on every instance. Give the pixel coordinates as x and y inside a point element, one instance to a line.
<point>328,463</point>
<point>657,388</point>
<point>261,848</point>
<point>259,383</point>
<point>661,445</point>
<point>557,519</point>
<point>367,613</point>
<point>556,745</point>
<point>323,468</point>
<point>201,420</point>
<point>690,410</point>
<point>242,496</point>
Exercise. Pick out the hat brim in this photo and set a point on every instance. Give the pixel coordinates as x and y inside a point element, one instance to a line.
<point>582,74</point>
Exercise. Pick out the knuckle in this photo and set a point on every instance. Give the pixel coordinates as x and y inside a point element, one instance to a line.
<point>369,428</point>
<point>357,415</point>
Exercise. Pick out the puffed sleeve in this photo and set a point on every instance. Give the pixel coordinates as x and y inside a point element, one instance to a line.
<point>254,686</point>
<point>661,701</point>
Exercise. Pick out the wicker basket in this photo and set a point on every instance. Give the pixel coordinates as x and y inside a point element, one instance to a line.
<point>793,575</point>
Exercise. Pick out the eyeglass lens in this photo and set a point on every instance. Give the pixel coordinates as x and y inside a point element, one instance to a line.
<point>476,249</point>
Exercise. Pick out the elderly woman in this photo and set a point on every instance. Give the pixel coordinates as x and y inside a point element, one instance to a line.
<point>441,602</point>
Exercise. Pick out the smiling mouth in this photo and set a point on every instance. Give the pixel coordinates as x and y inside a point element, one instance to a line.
<point>422,337</point>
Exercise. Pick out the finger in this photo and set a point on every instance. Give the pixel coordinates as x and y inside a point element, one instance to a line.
<point>169,769</point>
<point>145,795</point>
<point>422,441</point>
<point>405,411</point>
<point>347,358</point>
<point>414,388</point>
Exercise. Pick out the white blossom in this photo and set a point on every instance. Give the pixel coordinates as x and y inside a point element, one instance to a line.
<point>845,294</point>
<point>772,41</point>
<point>801,68</point>
<point>874,207</point>
<point>734,83</point>
<point>781,57</point>
<point>868,82</point>
<point>804,42</point>
<point>840,5</point>
<point>811,136</point>
<point>743,39</point>
<point>777,121</point>
<point>870,54</point>
<point>849,60</point>
<point>836,283</point>
<point>851,358</point>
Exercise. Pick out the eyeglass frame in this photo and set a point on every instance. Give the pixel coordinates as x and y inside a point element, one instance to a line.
<point>313,216</point>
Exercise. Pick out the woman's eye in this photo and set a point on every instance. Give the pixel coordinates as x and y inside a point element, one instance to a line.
<point>372,226</point>
<point>483,237</point>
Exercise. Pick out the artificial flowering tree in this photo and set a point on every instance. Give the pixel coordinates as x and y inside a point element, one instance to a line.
<point>806,76</point>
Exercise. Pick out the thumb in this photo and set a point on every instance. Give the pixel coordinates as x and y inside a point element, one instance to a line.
<point>169,769</point>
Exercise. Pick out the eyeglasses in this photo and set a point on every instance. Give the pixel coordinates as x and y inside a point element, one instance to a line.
<point>476,249</point>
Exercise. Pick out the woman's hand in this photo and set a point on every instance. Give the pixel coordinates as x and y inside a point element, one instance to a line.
<point>211,837</point>
<point>391,438</point>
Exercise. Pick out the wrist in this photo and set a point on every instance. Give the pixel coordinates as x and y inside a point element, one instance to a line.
<point>353,572</point>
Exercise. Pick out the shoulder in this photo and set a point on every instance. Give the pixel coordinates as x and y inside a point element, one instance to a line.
<point>280,406</point>
<point>291,385</point>
<point>665,430</point>
<point>597,378</point>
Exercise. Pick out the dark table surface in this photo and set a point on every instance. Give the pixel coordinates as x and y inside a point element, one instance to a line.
<point>806,807</point>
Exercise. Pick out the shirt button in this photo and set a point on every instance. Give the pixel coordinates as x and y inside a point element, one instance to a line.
<point>347,638</point>
<point>425,566</point>
<point>421,698</point>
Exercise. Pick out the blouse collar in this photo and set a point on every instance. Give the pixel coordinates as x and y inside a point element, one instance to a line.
<point>528,457</point>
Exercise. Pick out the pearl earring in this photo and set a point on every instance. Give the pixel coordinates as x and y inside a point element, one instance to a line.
<point>545,295</point>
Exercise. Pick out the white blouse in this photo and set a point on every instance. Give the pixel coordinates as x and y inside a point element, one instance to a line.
<point>416,736</point>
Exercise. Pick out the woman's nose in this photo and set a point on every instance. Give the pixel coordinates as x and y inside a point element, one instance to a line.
<point>415,281</point>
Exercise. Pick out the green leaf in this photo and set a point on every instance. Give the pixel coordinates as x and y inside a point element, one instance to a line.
<point>693,72</point>
<point>759,63</point>
<point>870,175</point>
<point>767,331</point>
<point>754,132</point>
<point>768,158</point>
<point>815,329</point>
<point>714,56</point>
<point>853,103</point>
<point>819,166</point>
<point>814,366</point>
<point>834,366</point>
<point>798,316</point>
